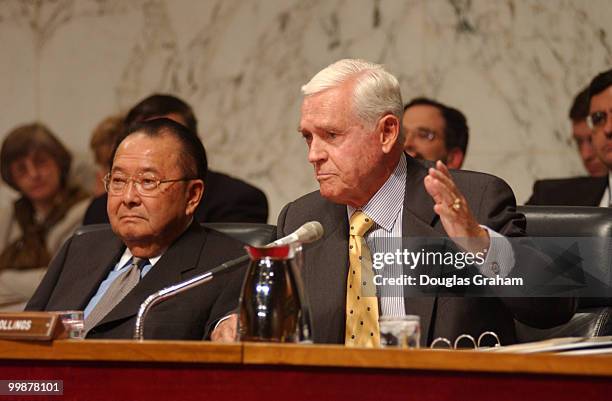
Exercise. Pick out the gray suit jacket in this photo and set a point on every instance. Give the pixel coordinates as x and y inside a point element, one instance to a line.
<point>326,262</point>
<point>86,259</point>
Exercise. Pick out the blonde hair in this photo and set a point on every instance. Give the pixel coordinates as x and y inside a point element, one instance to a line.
<point>104,138</point>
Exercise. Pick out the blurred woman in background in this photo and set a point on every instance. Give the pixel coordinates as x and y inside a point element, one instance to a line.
<point>37,165</point>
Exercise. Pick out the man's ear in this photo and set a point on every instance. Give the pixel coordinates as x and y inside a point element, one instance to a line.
<point>454,158</point>
<point>195,191</point>
<point>388,128</point>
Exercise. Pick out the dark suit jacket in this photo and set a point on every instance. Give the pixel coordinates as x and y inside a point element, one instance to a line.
<point>226,199</point>
<point>85,260</point>
<point>577,191</point>
<point>326,262</point>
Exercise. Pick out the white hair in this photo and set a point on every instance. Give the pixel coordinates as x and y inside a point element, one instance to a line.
<point>375,93</point>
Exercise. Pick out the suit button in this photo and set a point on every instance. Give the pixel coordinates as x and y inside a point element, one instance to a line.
<point>495,267</point>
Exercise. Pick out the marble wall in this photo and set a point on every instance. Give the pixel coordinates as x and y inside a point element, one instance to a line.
<point>512,66</point>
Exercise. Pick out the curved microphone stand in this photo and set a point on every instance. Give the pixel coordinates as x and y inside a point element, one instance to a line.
<point>171,291</point>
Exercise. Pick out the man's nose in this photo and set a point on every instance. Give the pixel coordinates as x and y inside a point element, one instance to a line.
<point>409,145</point>
<point>316,151</point>
<point>607,128</point>
<point>130,193</point>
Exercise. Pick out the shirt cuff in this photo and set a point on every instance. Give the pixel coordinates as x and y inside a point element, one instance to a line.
<point>500,256</point>
<point>222,319</point>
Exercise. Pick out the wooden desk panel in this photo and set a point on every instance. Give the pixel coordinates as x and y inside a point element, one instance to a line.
<point>155,370</point>
<point>457,361</point>
<point>123,350</point>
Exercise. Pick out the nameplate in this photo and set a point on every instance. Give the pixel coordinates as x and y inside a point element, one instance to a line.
<point>38,326</point>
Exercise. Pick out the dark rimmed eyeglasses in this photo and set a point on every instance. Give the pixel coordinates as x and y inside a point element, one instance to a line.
<point>597,119</point>
<point>422,134</point>
<point>146,185</point>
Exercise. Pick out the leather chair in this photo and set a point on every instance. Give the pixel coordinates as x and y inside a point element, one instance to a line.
<point>594,315</point>
<point>257,234</point>
<point>567,221</point>
<point>91,228</point>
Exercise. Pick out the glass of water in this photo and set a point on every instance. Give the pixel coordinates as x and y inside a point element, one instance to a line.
<point>73,323</point>
<point>400,331</point>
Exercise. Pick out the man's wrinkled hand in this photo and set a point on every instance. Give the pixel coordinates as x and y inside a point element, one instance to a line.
<point>454,211</point>
<point>226,330</point>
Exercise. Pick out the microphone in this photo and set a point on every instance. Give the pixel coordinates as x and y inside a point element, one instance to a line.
<point>308,232</point>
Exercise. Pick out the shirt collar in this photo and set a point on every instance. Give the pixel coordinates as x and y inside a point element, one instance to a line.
<point>127,255</point>
<point>388,201</point>
<point>606,199</point>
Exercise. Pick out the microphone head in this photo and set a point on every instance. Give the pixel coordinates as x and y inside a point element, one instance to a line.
<point>309,232</point>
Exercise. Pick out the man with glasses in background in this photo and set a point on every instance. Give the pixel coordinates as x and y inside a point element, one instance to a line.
<point>581,133</point>
<point>586,191</point>
<point>435,131</point>
<point>155,184</point>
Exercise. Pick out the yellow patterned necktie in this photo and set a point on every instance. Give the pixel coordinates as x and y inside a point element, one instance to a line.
<point>361,303</point>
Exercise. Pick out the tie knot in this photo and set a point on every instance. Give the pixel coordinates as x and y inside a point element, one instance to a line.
<point>139,262</point>
<point>360,223</point>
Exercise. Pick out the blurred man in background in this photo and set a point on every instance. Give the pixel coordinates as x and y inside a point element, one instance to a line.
<point>226,199</point>
<point>582,135</point>
<point>592,190</point>
<point>435,131</point>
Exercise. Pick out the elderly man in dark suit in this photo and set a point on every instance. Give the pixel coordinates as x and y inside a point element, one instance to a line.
<point>372,193</point>
<point>371,190</point>
<point>154,187</point>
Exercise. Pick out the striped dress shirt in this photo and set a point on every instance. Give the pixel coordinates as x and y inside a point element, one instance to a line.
<point>385,209</point>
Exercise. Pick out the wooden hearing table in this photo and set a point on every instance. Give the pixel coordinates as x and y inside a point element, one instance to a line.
<point>186,370</point>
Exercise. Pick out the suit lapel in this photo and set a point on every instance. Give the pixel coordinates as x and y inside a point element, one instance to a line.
<point>418,216</point>
<point>593,193</point>
<point>176,262</point>
<point>327,270</point>
<point>80,285</point>
<point>418,219</point>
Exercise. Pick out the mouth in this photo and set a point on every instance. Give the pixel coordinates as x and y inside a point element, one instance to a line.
<point>37,186</point>
<point>607,148</point>
<point>413,153</point>
<point>131,217</point>
<point>323,175</point>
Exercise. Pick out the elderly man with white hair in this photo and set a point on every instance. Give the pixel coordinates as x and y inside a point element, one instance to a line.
<point>371,193</point>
